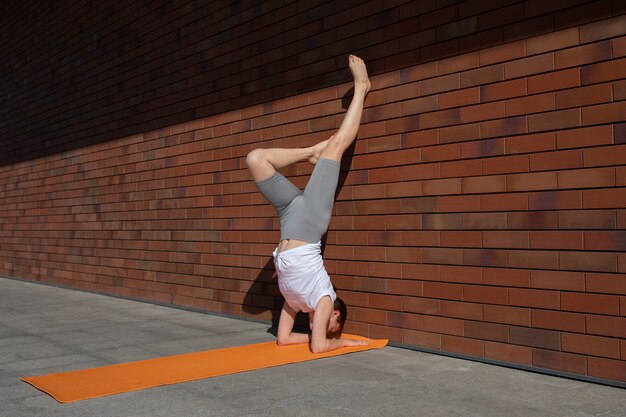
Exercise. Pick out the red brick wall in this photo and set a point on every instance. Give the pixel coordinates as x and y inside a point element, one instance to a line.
<point>482,211</point>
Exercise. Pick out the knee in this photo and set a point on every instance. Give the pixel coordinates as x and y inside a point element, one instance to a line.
<point>255,157</point>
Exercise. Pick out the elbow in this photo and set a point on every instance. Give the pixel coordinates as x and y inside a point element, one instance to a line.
<point>282,341</point>
<point>318,347</point>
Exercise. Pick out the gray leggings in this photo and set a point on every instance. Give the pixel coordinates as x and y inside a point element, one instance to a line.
<point>303,215</point>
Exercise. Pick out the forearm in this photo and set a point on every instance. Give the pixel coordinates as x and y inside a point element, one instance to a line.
<point>293,339</point>
<point>328,344</point>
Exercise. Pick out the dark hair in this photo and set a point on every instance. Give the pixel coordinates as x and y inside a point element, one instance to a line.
<point>343,311</point>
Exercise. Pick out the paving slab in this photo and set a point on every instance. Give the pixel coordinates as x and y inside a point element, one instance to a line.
<point>45,329</point>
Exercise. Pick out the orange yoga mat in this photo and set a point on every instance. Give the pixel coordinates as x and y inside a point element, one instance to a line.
<point>79,385</point>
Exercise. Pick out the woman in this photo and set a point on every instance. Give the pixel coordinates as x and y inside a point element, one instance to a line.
<point>304,218</point>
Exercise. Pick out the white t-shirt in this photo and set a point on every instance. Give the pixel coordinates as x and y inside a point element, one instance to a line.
<point>302,278</point>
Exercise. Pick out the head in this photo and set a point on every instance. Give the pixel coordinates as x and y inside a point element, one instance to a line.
<point>337,318</point>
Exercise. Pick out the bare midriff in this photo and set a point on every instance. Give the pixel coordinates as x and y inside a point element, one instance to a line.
<point>287,244</point>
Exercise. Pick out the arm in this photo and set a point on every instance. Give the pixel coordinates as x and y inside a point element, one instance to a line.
<point>319,342</point>
<point>285,328</point>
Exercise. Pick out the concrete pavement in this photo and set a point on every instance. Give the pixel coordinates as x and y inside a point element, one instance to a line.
<point>45,329</point>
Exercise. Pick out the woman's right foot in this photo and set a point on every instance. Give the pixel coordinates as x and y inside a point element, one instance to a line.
<point>316,151</point>
<point>359,73</point>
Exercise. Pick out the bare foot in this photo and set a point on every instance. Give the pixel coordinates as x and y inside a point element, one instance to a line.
<point>316,151</point>
<point>359,73</point>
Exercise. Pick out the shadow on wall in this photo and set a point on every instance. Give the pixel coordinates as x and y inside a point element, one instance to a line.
<point>101,85</point>
<point>263,294</point>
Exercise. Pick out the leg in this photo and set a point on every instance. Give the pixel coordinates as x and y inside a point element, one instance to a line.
<point>262,163</point>
<point>347,132</point>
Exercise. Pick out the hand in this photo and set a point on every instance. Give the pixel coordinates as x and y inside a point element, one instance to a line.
<point>352,342</point>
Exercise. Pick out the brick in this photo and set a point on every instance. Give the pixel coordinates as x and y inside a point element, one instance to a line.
<point>439,84</point>
<point>443,325</point>
<point>419,72</point>
<point>560,119</point>
<point>590,303</point>
<point>504,127</point>
<point>619,133</point>
<point>530,104</point>
<point>558,320</point>
<point>538,338</point>
<point>480,112</point>
<point>442,256</point>
<point>619,47</point>
<point>487,221</point>
<point>530,143</point>
<point>419,238</point>
<point>505,239</point>
<point>503,90</point>
<point>587,219</point>
<point>482,148</point>
<point>419,105</point>
<point>462,310</point>
<point>483,75</point>
<point>604,113</point>
<point>588,261</point>
<point>606,369</point>
<point>606,325</point>
<point>587,178</point>
<point>457,63</point>
<point>483,294</point>
<point>420,138</point>
<point>389,111</point>
<point>462,168</point>
<point>466,132</point>
<point>558,280</point>
<point>421,305</point>
<point>441,153</point>
<point>553,81</point>
<point>619,89</point>
<point>385,302</point>
<point>459,98</point>
<point>402,92</point>
<point>591,345</point>
<point>604,71</point>
<point>531,181</point>
<point>461,274</point>
<point>584,54</point>
<point>529,66</point>
<point>605,283</point>
<point>424,339</point>
<point>604,29</point>
<point>455,204</point>
<point>606,240</point>
<point>586,136</point>
<point>402,125</point>
<point>463,346</point>
<point>506,277</point>
<point>370,316</point>
<point>402,287</point>
<point>403,320</point>
<point>533,259</point>
<point>502,53</point>
<point>509,315</point>
<point>550,200</point>
<point>604,198</point>
<point>441,187</point>
<point>442,290</point>
<point>565,362</point>
<point>420,272</point>
<point>584,96</point>
<point>487,331</point>
<point>556,160</point>
<point>508,353</point>
<point>534,298</point>
<point>484,257</point>
<point>552,41</point>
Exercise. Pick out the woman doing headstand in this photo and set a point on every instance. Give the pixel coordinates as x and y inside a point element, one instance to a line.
<point>304,218</point>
